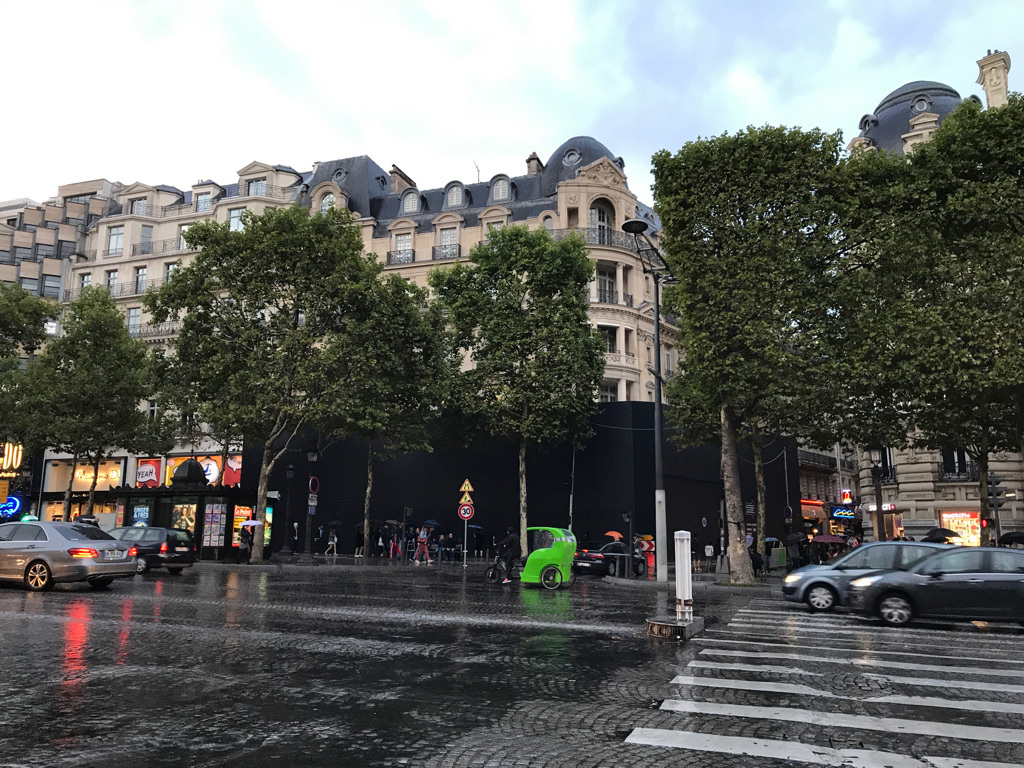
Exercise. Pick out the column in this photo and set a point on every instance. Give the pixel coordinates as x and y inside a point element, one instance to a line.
<point>618,283</point>
<point>621,394</point>
<point>620,340</point>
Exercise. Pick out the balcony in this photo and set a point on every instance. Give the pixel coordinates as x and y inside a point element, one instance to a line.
<point>964,473</point>
<point>605,296</point>
<point>152,330</point>
<point>816,460</point>
<point>264,190</point>
<point>598,236</point>
<point>445,252</point>
<point>407,256</point>
<point>627,299</point>
<point>113,253</point>
<point>169,245</point>
<point>120,290</point>
<point>620,358</point>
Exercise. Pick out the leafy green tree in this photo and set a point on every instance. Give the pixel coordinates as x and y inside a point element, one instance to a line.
<point>750,230</point>
<point>521,313</point>
<point>23,320</point>
<point>82,394</point>
<point>267,314</point>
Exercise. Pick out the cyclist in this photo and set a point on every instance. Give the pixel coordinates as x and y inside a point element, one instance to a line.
<point>511,551</point>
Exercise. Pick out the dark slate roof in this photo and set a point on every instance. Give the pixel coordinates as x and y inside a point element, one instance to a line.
<point>209,181</point>
<point>286,168</point>
<point>891,118</point>
<point>565,162</point>
<point>167,188</point>
<point>360,177</point>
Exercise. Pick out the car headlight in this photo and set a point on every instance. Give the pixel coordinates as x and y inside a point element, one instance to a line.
<point>864,581</point>
<point>793,577</point>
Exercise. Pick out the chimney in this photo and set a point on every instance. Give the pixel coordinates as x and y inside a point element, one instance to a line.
<point>533,164</point>
<point>399,180</point>
<point>992,72</point>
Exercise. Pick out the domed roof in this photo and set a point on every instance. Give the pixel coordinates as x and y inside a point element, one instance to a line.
<point>189,472</point>
<point>578,152</point>
<point>891,119</point>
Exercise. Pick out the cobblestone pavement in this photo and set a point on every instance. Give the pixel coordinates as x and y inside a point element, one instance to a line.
<point>430,666</point>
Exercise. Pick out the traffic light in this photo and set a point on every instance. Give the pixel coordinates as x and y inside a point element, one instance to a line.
<point>984,523</point>
<point>995,493</point>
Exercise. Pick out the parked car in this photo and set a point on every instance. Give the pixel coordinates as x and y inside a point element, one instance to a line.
<point>41,554</point>
<point>170,548</point>
<point>599,559</point>
<point>963,583</point>
<point>823,587</point>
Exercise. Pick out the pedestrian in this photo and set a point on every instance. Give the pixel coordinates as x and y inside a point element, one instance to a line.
<point>756,561</point>
<point>709,554</point>
<point>332,543</point>
<point>421,546</point>
<point>359,541</point>
<point>695,556</point>
<point>396,547</point>
<point>245,545</point>
<point>380,544</point>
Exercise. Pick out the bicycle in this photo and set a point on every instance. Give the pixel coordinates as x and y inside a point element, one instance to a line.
<point>496,571</point>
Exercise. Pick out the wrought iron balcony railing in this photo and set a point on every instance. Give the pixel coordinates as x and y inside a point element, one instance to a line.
<point>168,245</point>
<point>598,236</point>
<point>407,256</point>
<point>443,252</point>
<point>605,296</point>
<point>151,330</point>
<point>967,473</point>
<point>620,358</point>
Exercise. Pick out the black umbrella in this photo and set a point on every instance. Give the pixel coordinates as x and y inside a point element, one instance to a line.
<point>1013,537</point>
<point>939,535</point>
<point>473,525</point>
<point>335,523</point>
<point>432,524</point>
<point>796,538</point>
<point>393,522</point>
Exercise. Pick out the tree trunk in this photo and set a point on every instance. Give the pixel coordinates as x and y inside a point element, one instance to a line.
<point>757,444</point>
<point>522,495</point>
<point>261,501</point>
<point>987,513</point>
<point>366,500</point>
<point>739,560</point>
<point>67,491</point>
<point>223,459</point>
<point>92,488</point>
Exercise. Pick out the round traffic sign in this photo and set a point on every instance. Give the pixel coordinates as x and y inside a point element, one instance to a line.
<point>466,511</point>
<point>704,522</point>
<point>314,484</point>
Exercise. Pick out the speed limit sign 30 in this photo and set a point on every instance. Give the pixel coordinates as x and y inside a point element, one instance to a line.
<point>466,511</point>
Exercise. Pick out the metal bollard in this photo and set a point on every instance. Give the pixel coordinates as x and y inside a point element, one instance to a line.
<point>684,577</point>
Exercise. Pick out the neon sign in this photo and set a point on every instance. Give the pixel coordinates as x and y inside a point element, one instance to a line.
<point>10,462</point>
<point>10,507</point>
<point>842,513</point>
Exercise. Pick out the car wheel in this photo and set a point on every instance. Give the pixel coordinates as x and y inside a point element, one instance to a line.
<point>572,579</point>
<point>551,577</point>
<point>141,565</point>
<point>103,583</point>
<point>38,577</point>
<point>640,567</point>
<point>895,610</point>
<point>175,571</point>
<point>821,598</point>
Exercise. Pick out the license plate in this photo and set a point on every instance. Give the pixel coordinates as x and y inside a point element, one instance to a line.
<point>113,554</point>
<point>181,549</point>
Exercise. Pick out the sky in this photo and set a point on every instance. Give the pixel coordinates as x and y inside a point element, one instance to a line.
<point>174,92</point>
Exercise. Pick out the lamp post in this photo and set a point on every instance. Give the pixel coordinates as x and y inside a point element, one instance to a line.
<point>312,457</point>
<point>655,266</point>
<point>875,454</point>
<point>286,548</point>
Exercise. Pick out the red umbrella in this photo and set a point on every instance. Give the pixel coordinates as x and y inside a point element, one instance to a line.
<point>828,538</point>
<point>614,534</point>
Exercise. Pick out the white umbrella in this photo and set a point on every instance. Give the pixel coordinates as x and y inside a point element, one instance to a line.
<point>249,523</point>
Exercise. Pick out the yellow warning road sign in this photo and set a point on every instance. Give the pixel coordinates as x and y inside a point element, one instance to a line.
<point>466,486</point>
<point>465,499</point>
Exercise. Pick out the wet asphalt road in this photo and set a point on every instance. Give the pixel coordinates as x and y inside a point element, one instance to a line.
<point>366,666</point>
<point>326,666</point>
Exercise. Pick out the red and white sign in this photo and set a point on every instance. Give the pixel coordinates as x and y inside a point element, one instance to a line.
<point>646,546</point>
<point>314,485</point>
<point>147,473</point>
<point>466,511</point>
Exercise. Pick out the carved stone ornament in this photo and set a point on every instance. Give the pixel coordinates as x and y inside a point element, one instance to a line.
<point>605,173</point>
<point>574,198</point>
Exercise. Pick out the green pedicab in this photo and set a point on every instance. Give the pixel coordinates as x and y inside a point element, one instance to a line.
<point>550,561</point>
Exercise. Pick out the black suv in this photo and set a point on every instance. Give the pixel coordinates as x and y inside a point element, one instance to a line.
<point>170,548</point>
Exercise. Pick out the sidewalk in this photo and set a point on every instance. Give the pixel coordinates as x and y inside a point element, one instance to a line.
<point>709,582</point>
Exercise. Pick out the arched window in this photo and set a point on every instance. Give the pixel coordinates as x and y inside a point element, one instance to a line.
<point>549,223</point>
<point>501,189</point>
<point>327,202</point>
<point>602,219</point>
<point>410,203</point>
<point>454,196</point>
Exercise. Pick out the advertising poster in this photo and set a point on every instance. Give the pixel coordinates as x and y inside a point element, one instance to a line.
<point>241,515</point>
<point>233,471</point>
<point>967,523</point>
<point>210,464</point>
<point>147,473</point>
<point>214,519</point>
<point>140,514</point>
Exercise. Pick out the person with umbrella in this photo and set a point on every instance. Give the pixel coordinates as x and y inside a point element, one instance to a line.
<point>422,535</point>
<point>794,555</point>
<point>332,543</point>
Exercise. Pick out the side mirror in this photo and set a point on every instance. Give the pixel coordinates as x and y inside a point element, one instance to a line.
<point>935,574</point>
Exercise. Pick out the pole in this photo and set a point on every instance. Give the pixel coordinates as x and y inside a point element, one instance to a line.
<point>401,539</point>
<point>465,541</point>
<point>572,483</point>
<point>660,522</point>
<point>629,557</point>
<point>876,476</point>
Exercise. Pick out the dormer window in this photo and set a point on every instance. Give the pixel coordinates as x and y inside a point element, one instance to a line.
<point>257,188</point>
<point>138,206</point>
<point>455,196</point>
<point>411,203</point>
<point>500,190</point>
<point>327,202</point>
<point>203,201</point>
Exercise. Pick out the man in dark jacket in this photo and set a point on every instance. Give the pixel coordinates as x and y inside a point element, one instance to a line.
<point>510,550</point>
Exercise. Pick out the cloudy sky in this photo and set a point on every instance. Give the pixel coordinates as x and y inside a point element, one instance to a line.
<point>171,92</point>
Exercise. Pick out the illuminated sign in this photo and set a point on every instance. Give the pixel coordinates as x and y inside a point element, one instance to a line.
<point>10,507</point>
<point>847,496</point>
<point>86,475</point>
<point>812,502</point>
<point>10,463</point>
<point>843,513</point>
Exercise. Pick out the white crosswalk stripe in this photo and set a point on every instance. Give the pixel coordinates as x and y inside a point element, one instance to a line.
<point>859,684</point>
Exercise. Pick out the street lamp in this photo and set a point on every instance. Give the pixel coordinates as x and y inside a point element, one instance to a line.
<point>286,548</point>
<point>312,457</point>
<point>875,455</point>
<point>655,266</point>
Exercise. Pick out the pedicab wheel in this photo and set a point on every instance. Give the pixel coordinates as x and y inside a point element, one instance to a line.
<point>551,577</point>
<point>492,574</point>
<point>572,579</point>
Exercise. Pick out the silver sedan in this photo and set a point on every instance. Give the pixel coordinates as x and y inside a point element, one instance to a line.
<point>41,554</point>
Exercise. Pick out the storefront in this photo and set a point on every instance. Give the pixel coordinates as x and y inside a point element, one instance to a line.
<point>843,520</point>
<point>59,472</point>
<point>966,522</point>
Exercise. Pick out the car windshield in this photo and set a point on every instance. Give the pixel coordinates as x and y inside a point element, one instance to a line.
<point>128,534</point>
<point>181,537</point>
<point>83,533</point>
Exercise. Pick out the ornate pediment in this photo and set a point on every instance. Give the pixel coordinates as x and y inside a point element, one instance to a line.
<point>603,172</point>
